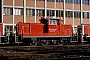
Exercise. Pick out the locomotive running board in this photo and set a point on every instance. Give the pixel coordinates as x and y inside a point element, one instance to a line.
<point>73,41</point>
<point>5,43</point>
<point>46,36</point>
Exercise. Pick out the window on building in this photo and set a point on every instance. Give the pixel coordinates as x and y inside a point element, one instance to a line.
<point>39,0</point>
<point>50,12</point>
<point>7,11</point>
<point>59,13</point>
<point>50,0</point>
<point>32,0</point>
<point>39,12</point>
<point>77,14</point>
<point>85,14</point>
<point>68,1</point>
<point>59,0</point>
<point>69,14</point>
<point>86,2</point>
<point>33,12</point>
<point>30,12</point>
<point>19,11</point>
<point>77,1</point>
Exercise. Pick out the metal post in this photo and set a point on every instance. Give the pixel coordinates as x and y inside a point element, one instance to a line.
<point>64,12</point>
<point>24,6</point>
<point>89,11</point>
<point>2,10</point>
<point>81,20</point>
<point>82,34</point>
<point>8,36</point>
<point>45,11</point>
<point>15,38</point>
<point>35,12</point>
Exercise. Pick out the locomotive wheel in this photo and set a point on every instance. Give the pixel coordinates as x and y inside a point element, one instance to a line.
<point>44,42</point>
<point>34,43</point>
<point>60,42</point>
<point>54,41</point>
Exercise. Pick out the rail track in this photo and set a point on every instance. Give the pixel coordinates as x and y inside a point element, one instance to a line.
<point>50,52</point>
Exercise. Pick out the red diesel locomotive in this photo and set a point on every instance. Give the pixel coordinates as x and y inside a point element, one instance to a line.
<point>47,32</point>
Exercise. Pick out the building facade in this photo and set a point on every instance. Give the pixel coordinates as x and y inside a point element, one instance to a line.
<point>73,12</point>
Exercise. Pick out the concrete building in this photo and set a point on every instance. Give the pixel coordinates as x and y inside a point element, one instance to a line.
<point>73,12</point>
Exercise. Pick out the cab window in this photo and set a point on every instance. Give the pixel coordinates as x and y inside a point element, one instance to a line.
<point>52,22</point>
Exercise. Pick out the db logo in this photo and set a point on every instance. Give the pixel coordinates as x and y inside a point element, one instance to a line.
<point>52,30</point>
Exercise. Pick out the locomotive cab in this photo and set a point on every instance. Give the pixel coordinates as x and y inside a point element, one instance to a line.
<point>53,26</point>
<point>48,31</point>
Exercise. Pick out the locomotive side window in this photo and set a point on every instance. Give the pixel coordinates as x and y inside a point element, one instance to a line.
<point>53,22</point>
